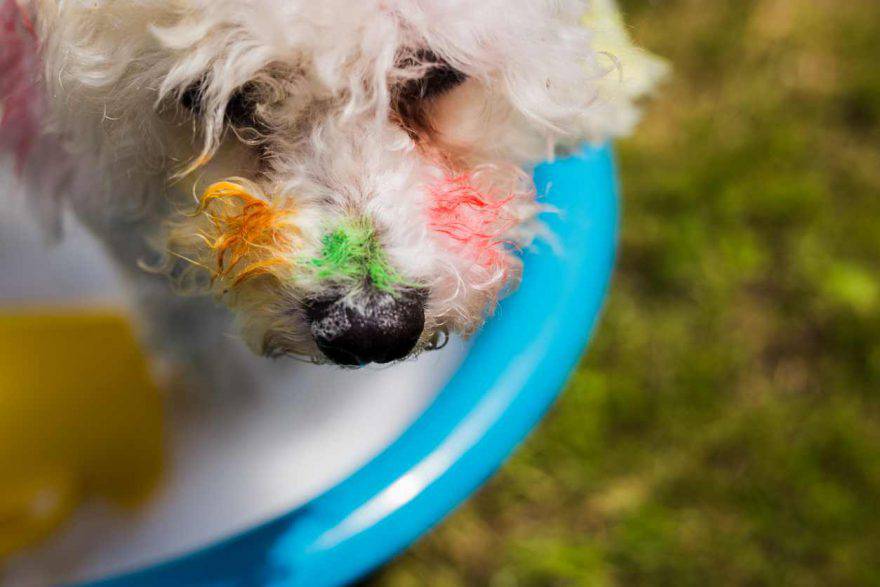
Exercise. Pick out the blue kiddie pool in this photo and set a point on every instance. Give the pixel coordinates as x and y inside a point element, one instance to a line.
<point>346,524</point>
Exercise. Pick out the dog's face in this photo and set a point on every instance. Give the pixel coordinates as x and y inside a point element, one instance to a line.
<point>360,168</point>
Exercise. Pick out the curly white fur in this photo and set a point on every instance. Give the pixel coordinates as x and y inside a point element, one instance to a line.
<point>329,140</point>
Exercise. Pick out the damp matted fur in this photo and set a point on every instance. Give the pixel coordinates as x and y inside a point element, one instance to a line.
<point>239,136</point>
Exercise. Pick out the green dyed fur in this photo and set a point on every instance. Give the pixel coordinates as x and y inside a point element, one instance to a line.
<point>353,253</point>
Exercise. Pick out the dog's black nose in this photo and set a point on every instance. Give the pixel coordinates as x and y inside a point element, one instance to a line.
<point>367,326</point>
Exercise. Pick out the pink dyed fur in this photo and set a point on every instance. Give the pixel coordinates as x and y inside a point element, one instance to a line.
<point>474,222</point>
<point>44,170</point>
<point>22,104</point>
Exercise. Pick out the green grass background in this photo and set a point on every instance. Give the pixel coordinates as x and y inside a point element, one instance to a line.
<point>723,428</point>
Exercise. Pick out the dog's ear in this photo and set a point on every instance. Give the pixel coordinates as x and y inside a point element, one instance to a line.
<point>633,71</point>
<point>21,100</point>
<point>38,160</point>
<point>627,73</point>
<point>584,76</point>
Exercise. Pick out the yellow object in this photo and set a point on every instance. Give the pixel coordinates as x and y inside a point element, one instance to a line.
<point>79,417</point>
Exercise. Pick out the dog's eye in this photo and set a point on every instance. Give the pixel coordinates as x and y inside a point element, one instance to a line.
<point>410,97</point>
<point>242,107</point>
<point>240,110</point>
<point>439,77</point>
<point>191,99</point>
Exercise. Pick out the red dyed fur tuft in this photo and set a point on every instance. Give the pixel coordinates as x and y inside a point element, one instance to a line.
<point>473,221</point>
<point>21,104</point>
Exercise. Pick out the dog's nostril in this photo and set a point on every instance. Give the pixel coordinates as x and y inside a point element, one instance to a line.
<point>368,326</point>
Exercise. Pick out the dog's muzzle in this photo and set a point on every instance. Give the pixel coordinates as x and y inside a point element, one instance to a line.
<point>367,325</point>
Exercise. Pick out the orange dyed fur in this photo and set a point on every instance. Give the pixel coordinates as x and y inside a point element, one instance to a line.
<point>249,236</point>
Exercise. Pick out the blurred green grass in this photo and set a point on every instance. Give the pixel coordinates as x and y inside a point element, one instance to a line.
<point>723,429</point>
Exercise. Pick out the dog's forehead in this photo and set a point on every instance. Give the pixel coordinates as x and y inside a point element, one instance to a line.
<point>462,16</point>
<point>342,45</point>
<point>462,28</point>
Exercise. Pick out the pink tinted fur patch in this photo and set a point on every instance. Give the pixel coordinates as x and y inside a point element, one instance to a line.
<point>22,103</point>
<point>473,221</point>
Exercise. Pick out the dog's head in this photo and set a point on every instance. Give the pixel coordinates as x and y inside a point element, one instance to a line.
<point>360,168</point>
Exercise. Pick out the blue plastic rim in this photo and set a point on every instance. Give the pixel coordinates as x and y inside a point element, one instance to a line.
<point>517,366</point>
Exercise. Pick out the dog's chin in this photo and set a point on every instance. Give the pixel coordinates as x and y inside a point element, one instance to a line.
<point>276,344</point>
<point>273,350</point>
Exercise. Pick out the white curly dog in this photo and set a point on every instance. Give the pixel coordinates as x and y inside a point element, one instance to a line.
<point>350,178</point>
